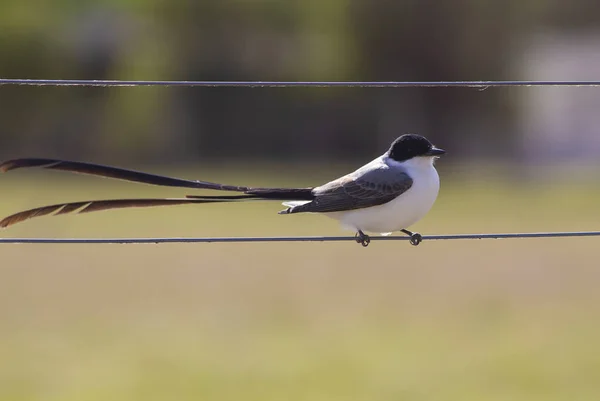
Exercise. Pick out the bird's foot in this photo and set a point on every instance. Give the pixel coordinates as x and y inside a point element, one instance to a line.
<point>362,238</point>
<point>415,238</point>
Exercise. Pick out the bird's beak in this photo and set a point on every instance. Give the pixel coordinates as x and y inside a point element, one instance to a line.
<point>435,152</point>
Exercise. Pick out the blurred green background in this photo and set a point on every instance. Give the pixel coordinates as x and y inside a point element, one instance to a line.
<point>449,320</point>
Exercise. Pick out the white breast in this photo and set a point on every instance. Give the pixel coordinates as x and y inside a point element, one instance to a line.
<point>403,211</point>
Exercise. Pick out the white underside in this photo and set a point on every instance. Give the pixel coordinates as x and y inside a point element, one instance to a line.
<point>400,213</point>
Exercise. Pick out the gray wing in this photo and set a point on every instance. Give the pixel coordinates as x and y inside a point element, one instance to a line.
<point>364,188</point>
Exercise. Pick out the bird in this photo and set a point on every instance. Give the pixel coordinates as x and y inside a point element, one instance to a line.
<point>390,193</point>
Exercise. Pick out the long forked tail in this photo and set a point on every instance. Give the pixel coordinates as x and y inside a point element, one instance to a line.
<point>247,193</point>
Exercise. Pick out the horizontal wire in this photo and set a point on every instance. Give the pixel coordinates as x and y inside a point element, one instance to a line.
<point>275,84</point>
<point>289,239</point>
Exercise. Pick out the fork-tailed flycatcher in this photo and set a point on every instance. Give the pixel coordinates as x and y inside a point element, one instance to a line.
<point>390,193</point>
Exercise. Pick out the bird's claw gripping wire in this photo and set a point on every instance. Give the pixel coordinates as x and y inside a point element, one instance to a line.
<point>415,238</point>
<point>362,238</point>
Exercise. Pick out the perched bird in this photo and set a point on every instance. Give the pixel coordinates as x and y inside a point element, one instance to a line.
<point>388,194</point>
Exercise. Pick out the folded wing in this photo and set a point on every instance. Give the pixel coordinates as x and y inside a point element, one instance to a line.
<point>372,187</point>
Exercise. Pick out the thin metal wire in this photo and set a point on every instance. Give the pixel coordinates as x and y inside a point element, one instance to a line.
<point>289,239</point>
<point>275,84</point>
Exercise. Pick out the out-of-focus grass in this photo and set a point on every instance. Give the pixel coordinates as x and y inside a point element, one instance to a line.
<point>451,320</point>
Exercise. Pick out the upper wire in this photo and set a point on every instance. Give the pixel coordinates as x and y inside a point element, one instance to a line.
<point>276,84</point>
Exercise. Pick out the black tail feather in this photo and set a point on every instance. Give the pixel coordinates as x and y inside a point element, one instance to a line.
<point>137,176</point>
<point>98,205</point>
<point>115,172</point>
<point>282,193</point>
